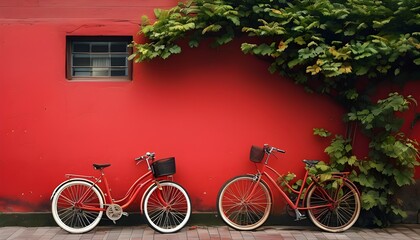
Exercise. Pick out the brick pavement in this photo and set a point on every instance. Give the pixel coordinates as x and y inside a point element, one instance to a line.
<point>397,232</point>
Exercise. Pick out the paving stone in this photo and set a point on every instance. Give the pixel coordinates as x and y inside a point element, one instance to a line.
<point>143,232</point>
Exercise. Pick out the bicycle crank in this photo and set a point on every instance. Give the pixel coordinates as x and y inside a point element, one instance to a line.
<point>114,212</point>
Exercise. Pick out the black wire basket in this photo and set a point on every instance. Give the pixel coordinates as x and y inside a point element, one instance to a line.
<point>164,167</point>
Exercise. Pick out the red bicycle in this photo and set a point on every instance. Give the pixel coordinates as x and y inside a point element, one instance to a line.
<point>79,202</point>
<point>244,202</point>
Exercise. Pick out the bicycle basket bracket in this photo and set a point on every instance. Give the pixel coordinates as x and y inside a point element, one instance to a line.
<point>164,167</point>
<point>256,154</point>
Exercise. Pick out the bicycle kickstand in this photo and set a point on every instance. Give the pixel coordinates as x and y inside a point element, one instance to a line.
<point>299,216</point>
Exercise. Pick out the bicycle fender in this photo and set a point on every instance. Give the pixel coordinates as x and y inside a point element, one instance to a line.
<point>76,179</point>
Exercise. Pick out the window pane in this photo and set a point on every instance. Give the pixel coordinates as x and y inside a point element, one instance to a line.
<point>118,72</point>
<point>100,61</point>
<point>118,47</point>
<point>81,47</point>
<point>96,71</point>
<point>82,72</point>
<point>81,60</point>
<point>118,60</point>
<point>100,47</point>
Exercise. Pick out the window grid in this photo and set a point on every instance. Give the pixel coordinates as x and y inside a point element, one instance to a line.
<point>94,57</point>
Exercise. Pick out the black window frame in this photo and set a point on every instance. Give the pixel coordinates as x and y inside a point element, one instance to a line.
<point>91,41</point>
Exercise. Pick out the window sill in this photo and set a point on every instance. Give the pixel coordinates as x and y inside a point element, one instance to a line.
<point>99,79</point>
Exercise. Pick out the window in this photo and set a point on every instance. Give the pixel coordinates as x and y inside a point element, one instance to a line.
<point>98,58</point>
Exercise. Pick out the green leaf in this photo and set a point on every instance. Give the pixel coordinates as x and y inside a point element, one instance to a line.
<point>312,25</point>
<point>189,26</point>
<point>362,26</point>
<point>322,167</point>
<point>366,180</point>
<point>325,176</point>
<point>157,12</point>
<point>352,160</point>
<point>361,70</point>
<point>298,28</point>
<point>193,43</point>
<point>234,19</point>
<point>264,49</point>
<point>165,54</point>
<point>175,49</point>
<point>299,40</point>
<point>369,199</point>
<point>293,62</point>
<point>321,132</point>
<point>348,148</point>
<point>211,28</point>
<point>132,56</point>
<point>352,94</point>
<point>247,48</point>
<point>402,178</point>
<point>350,31</point>
<point>399,212</point>
<point>379,24</point>
<point>224,39</point>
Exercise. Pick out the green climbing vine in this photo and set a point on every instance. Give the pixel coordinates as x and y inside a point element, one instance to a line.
<point>340,48</point>
<point>391,159</point>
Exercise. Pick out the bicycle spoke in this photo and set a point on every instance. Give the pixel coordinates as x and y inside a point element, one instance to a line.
<point>177,217</point>
<point>65,200</point>
<point>67,216</point>
<point>157,216</point>
<point>345,197</point>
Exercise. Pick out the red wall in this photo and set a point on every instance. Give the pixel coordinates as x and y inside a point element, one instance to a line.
<point>206,107</point>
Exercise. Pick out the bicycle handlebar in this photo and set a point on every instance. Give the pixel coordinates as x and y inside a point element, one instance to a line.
<point>147,156</point>
<point>270,149</point>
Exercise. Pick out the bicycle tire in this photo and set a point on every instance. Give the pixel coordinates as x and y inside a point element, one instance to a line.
<point>239,212</point>
<point>170,218</point>
<point>344,212</point>
<point>65,212</point>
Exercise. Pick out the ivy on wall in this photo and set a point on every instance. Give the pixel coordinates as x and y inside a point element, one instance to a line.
<point>340,48</point>
<point>390,162</point>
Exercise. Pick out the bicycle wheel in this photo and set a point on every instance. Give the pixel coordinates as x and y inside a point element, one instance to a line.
<point>169,209</point>
<point>240,207</point>
<point>345,208</point>
<point>65,211</point>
